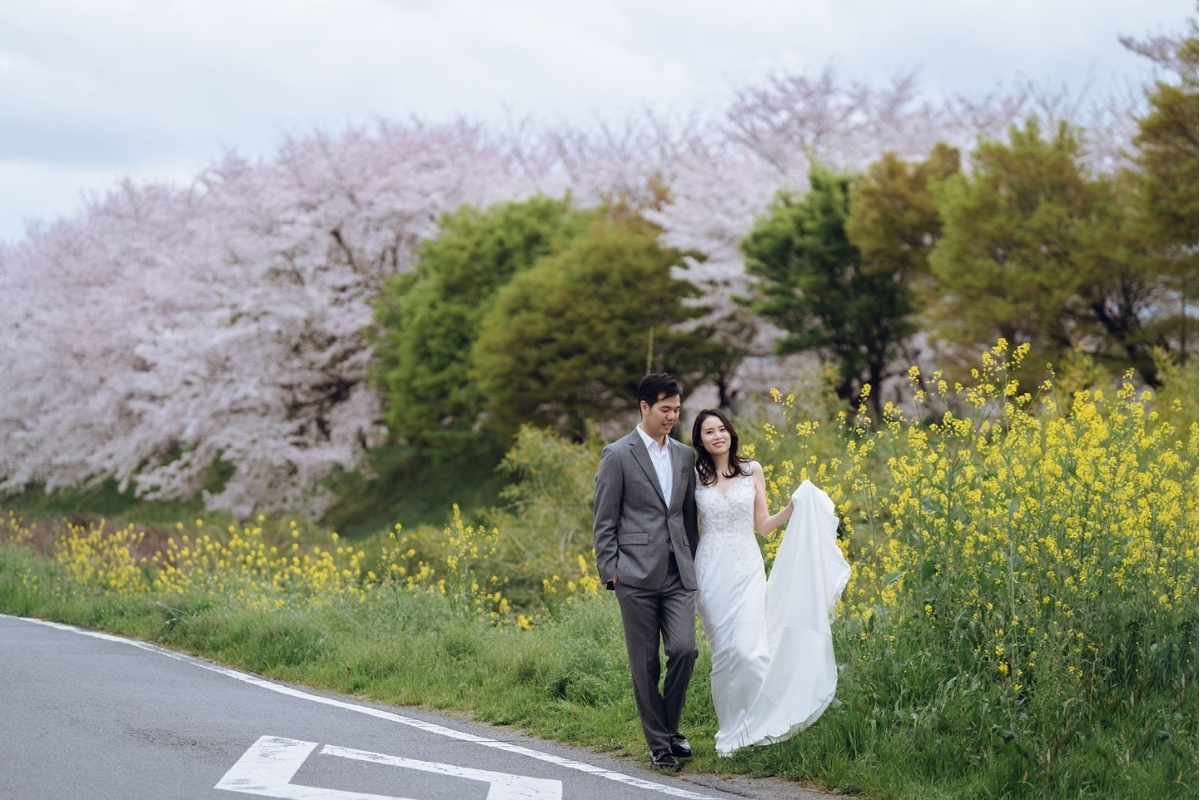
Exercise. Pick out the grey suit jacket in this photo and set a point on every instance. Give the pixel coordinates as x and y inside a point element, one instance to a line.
<point>633,520</point>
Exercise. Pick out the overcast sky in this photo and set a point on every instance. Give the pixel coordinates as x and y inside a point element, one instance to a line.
<point>91,90</point>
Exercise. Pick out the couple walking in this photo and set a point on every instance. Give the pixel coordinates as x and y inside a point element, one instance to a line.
<point>675,531</point>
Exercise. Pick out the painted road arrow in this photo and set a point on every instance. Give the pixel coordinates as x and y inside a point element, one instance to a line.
<point>89,714</point>
<point>267,769</point>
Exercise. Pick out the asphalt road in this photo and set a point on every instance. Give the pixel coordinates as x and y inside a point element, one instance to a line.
<point>89,715</point>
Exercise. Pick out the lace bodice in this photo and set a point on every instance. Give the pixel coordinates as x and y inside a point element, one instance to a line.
<point>726,521</point>
<point>728,513</point>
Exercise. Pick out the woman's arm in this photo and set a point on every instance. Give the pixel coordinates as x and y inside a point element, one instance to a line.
<point>764,522</point>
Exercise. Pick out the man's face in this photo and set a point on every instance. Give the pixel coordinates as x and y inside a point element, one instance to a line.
<point>658,419</point>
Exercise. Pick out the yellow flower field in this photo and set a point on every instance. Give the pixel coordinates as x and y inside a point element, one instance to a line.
<point>1021,618</point>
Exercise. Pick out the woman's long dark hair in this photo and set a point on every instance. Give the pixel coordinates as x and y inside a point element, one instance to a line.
<point>738,465</point>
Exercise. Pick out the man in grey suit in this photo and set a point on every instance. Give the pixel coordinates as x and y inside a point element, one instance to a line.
<point>645,535</point>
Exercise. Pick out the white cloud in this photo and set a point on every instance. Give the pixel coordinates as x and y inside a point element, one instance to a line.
<point>90,88</point>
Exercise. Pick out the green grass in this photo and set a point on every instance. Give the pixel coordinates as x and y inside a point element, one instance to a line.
<point>104,500</point>
<point>414,488</point>
<point>901,729</point>
<point>405,487</point>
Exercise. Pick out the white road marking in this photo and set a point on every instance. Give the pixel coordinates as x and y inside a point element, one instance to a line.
<point>268,767</point>
<point>430,727</point>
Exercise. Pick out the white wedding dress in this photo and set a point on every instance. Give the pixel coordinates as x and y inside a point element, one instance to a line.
<point>773,670</point>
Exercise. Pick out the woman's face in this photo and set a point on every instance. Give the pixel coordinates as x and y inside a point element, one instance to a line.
<point>714,436</point>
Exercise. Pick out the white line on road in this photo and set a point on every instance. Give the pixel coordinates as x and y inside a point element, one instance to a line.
<point>268,767</point>
<point>429,727</point>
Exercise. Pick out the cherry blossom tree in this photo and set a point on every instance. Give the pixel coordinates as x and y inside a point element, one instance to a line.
<point>165,330</point>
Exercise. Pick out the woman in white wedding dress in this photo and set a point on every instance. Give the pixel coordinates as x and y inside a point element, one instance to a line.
<point>773,670</point>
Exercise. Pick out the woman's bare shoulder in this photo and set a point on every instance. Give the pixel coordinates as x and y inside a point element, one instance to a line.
<point>756,468</point>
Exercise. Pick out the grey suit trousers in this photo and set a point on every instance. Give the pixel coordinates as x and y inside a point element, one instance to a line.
<point>671,610</point>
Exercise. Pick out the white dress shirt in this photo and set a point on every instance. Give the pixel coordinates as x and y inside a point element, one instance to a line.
<point>660,457</point>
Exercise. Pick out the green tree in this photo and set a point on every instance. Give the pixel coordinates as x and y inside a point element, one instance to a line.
<point>1005,264</point>
<point>1164,185</point>
<point>1035,249</point>
<point>894,220</point>
<point>568,340</point>
<point>1128,306</point>
<point>427,320</point>
<point>1166,142</point>
<point>812,282</point>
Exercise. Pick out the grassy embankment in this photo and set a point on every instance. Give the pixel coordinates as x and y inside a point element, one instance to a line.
<point>1022,619</point>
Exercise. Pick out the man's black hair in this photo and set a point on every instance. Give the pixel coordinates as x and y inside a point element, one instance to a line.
<point>657,386</point>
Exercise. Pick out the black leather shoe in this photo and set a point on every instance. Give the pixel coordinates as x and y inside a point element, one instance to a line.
<point>663,759</point>
<point>680,747</point>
